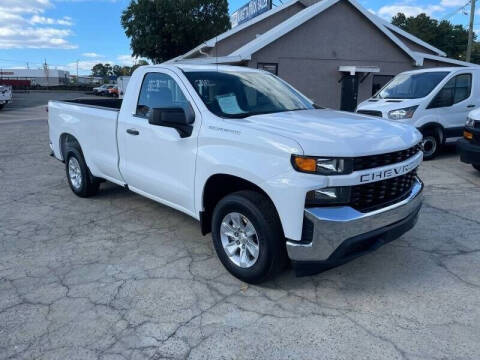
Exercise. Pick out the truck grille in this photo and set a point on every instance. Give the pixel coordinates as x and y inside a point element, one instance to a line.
<point>370,113</point>
<point>376,195</point>
<point>370,162</point>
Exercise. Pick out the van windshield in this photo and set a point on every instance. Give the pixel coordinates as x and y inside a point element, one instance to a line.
<point>411,86</point>
<point>239,94</point>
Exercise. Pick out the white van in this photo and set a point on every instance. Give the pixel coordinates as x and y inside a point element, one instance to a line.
<point>436,101</point>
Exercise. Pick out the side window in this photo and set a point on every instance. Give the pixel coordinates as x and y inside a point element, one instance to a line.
<point>455,90</point>
<point>159,91</point>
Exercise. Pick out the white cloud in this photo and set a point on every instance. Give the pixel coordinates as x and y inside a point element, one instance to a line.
<point>452,3</point>
<point>42,20</point>
<point>84,67</point>
<point>92,55</point>
<point>126,60</point>
<point>35,31</point>
<point>389,11</point>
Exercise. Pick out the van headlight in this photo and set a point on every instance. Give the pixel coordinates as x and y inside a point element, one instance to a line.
<point>322,166</point>
<point>470,122</point>
<point>405,113</point>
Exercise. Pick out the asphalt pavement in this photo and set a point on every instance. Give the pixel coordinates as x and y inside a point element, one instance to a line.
<point>119,276</point>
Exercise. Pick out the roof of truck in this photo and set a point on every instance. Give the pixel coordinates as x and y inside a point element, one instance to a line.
<point>438,69</point>
<point>210,67</point>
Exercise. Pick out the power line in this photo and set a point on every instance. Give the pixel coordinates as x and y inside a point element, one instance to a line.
<point>448,16</point>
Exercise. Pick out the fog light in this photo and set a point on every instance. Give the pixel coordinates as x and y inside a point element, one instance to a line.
<point>328,196</point>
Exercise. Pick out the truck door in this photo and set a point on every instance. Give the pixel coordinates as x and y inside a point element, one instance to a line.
<point>453,103</point>
<point>154,160</point>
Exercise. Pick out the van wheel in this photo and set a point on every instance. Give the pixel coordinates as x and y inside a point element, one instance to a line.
<point>476,166</point>
<point>248,237</point>
<point>430,144</point>
<point>79,177</point>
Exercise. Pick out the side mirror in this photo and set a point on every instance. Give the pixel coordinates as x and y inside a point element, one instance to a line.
<point>175,117</point>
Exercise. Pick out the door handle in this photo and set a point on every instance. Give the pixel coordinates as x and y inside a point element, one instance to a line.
<point>133,132</point>
<point>471,106</point>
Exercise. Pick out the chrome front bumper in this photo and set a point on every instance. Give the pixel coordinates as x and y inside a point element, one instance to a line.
<point>335,226</point>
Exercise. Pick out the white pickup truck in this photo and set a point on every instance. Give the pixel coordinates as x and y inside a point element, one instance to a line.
<point>269,173</point>
<point>5,95</point>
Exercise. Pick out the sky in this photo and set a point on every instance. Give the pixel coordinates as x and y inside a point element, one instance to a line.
<point>64,32</point>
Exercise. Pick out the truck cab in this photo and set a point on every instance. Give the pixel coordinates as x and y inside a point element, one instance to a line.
<point>436,101</point>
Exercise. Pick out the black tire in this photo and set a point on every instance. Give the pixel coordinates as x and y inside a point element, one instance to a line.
<point>272,254</point>
<point>88,185</point>
<point>431,144</point>
<point>476,166</point>
<point>1,106</point>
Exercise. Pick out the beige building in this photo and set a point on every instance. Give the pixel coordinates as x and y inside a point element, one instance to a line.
<point>335,51</point>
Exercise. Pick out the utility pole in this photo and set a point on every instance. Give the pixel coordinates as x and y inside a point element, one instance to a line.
<point>470,30</point>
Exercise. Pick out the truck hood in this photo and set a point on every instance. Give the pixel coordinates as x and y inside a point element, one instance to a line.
<point>337,134</point>
<point>387,105</point>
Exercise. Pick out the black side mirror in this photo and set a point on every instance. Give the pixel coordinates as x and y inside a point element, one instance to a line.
<point>174,117</point>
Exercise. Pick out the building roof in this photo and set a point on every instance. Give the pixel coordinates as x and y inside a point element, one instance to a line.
<point>213,41</point>
<point>246,51</point>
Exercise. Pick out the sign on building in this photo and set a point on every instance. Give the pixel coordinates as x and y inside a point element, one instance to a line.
<point>250,10</point>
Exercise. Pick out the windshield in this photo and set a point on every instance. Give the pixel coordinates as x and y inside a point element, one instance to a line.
<point>411,86</point>
<point>231,94</point>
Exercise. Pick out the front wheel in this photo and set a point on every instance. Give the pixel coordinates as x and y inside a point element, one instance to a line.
<point>476,166</point>
<point>431,145</point>
<point>248,236</point>
<point>1,106</point>
<point>79,178</point>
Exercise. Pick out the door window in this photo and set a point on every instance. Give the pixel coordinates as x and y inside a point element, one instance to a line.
<point>455,90</point>
<point>159,91</point>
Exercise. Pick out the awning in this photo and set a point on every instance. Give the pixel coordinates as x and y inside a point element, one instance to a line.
<point>352,69</point>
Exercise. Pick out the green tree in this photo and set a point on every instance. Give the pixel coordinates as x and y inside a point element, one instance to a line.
<point>137,65</point>
<point>444,35</point>
<point>117,70</point>
<point>102,70</point>
<point>163,29</point>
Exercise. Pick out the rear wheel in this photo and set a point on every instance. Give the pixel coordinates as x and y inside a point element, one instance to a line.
<point>248,236</point>
<point>476,166</point>
<point>431,144</point>
<point>1,106</point>
<point>79,178</point>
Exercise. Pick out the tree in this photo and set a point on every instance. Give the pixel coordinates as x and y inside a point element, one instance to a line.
<point>138,64</point>
<point>102,70</point>
<point>445,36</point>
<point>163,29</point>
<point>117,70</point>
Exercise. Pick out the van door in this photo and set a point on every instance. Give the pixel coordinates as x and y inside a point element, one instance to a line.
<point>154,160</point>
<point>453,102</point>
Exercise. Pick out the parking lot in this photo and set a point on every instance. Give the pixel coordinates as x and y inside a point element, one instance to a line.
<point>119,276</point>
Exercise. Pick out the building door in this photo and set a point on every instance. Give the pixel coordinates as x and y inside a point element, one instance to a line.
<point>349,92</point>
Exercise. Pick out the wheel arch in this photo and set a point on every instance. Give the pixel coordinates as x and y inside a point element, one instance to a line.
<point>217,187</point>
<point>436,127</point>
<point>68,139</point>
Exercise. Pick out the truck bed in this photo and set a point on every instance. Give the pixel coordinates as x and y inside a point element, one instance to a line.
<point>93,123</point>
<point>114,104</point>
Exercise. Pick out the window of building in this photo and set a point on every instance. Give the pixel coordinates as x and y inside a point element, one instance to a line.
<point>159,91</point>
<point>455,90</point>
<point>379,81</point>
<point>270,67</point>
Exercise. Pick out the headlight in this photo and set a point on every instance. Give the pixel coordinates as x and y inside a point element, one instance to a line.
<point>399,114</point>
<point>322,166</point>
<point>328,196</point>
<point>470,123</point>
